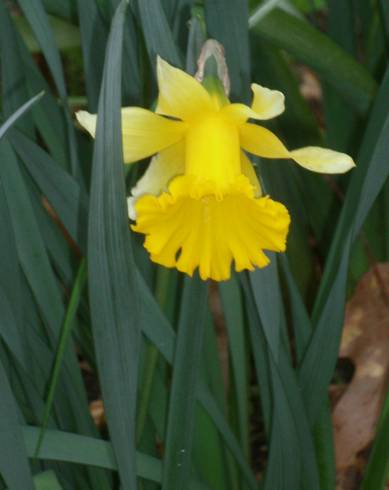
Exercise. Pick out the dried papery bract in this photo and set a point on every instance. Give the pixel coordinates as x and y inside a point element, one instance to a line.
<point>213,49</point>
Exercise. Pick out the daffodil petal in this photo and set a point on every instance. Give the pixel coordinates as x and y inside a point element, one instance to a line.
<point>267,103</point>
<point>261,142</point>
<point>237,113</point>
<point>209,233</point>
<point>181,95</point>
<point>249,171</point>
<point>162,169</point>
<point>322,160</point>
<point>87,121</point>
<point>144,133</point>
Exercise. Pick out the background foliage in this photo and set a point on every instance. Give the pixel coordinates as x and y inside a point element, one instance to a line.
<point>204,387</point>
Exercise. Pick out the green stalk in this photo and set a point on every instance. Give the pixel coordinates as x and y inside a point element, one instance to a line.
<point>66,331</point>
<point>151,356</point>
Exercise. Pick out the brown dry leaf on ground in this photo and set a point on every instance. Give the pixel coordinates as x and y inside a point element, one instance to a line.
<point>365,342</point>
<point>97,412</point>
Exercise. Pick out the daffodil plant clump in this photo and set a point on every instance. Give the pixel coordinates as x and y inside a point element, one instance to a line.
<point>187,247</point>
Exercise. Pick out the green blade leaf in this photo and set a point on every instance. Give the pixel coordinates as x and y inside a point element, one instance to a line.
<point>158,35</point>
<point>385,17</point>
<point>113,285</point>
<point>221,424</point>
<point>266,290</point>
<point>377,471</point>
<point>37,17</point>
<point>340,120</point>
<point>63,345</point>
<point>234,317</point>
<point>334,65</point>
<point>13,457</point>
<point>13,84</point>
<point>66,35</point>
<point>11,304</point>
<point>47,481</point>
<point>38,20</point>
<point>186,367</point>
<point>227,22</point>
<point>74,448</point>
<point>19,113</point>
<point>366,182</point>
<point>60,188</point>
<point>291,442</point>
<point>94,38</point>
<point>54,183</point>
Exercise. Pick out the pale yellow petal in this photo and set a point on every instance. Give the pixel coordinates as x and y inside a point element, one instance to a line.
<point>180,95</point>
<point>261,142</point>
<point>144,133</point>
<point>267,103</point>
<point>87,121</point>
<point>249,171</point>
<point>322,160</point>
<point>162,169</point>
<point>237,113</point>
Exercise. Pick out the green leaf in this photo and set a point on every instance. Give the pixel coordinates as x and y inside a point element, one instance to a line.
<point>113,285</point>
<point>340,120</point>
<point>157,33</point>
<point>302,326</point>
<point>133,83</point>
<point>74,448</point>
<point>234,317</point>
<point>377,471</point>
<point>37,17</point>
<point>385,17</point>
<point>13,84</point>
<point>30,247</point>
<point>11,304</point>
<point>227,22</point>
<point>13,457</point>
<point>232,445</point>
<point>47,481</point>
<point>186,367</point>
<point>366,182</point>
<point>94,38</point>
<point>19,113</point>
<point>66,35</point>
<point>334,65</point>
<point>66,10</point>
<point>266,290</point>
<point>63,345</point>
<point>62,191</point>
<point>196,39</point>
<point>42,281</point>
<point>154,324</point>
<point>290,442</point>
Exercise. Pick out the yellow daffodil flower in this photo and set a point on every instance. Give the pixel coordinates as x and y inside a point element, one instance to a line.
<point>199,203</point>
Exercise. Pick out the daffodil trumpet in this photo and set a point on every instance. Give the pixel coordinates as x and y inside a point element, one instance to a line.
<point>199,203</point>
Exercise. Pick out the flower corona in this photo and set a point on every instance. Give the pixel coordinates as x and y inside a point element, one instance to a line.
<point>199,203</point>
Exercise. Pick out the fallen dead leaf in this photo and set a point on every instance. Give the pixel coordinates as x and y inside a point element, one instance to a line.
<point>97,412</point>
<point>365,342</point>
